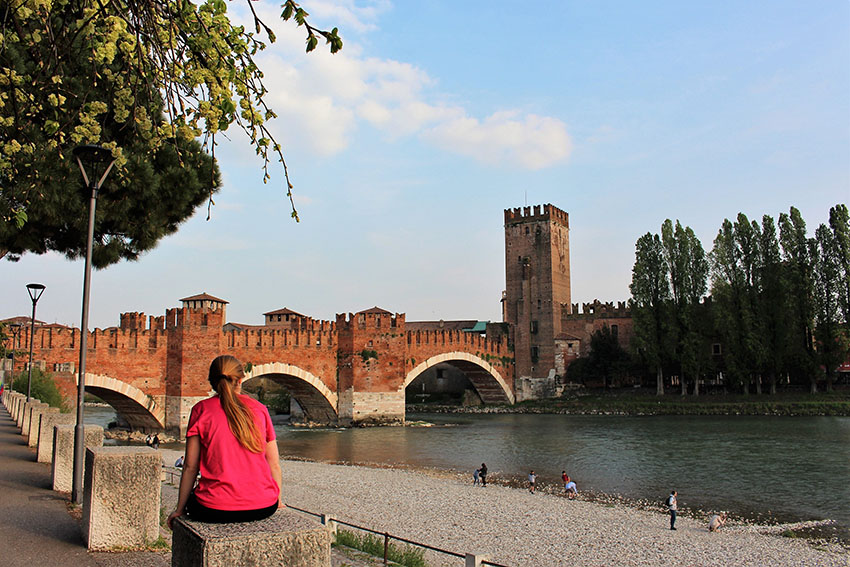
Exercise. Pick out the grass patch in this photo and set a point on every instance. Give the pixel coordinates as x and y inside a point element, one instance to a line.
<point>406,555</point>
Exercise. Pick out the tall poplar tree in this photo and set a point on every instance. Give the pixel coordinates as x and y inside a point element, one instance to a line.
<point>650,293</point>
<point>688,269</point>
<point>734,268</point>
<point>772,301</point>
<point>796,255</point>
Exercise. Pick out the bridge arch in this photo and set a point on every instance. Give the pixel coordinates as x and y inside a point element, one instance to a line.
<point>315,398</point>
<point>491,386</point>
<point>139,409</point>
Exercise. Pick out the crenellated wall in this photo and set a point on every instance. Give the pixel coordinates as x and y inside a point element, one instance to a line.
<point>353,370</point>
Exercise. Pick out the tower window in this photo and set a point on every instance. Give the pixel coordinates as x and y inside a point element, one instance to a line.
<point>535,354</point>
<point>534,327</point>
<point>615,330</point>
<point>526,230</point>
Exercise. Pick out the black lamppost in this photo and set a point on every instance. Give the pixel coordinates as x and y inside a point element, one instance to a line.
<point>97,160</point>
<point>35,290</point>
<point>16,330</point>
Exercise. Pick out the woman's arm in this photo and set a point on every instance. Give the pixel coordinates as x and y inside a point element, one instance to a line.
<point>273,458</point>
<point>191,466</point>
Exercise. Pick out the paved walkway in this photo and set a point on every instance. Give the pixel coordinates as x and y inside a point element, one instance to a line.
<point>35,526</point>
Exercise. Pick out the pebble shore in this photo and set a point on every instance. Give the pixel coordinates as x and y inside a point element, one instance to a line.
<point>515,528</point>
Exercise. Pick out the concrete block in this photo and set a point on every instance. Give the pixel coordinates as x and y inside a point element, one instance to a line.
<point>25,419</point>
<point>35,423</point>
<point>121,497</point>
<point>45,433</point>
<point>285,539</point>
<point>63,453</point>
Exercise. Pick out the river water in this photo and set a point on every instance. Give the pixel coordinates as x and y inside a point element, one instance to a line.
<point>787,468</point>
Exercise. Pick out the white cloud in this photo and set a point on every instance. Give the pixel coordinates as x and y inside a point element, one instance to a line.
<point>530,141</point>
<point>322,99</point>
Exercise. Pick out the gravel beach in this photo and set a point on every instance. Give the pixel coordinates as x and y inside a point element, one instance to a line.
<point>516,528</point>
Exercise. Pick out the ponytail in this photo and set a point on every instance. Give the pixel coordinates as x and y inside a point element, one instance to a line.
<point>225,372</point>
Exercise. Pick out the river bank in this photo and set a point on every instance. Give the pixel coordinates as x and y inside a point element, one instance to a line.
<point>641,402</point>
<point>515,527</point>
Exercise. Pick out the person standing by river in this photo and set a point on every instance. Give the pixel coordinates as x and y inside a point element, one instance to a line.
<point>532,481</point>
<point>673,508</point>
<point>483,474</point>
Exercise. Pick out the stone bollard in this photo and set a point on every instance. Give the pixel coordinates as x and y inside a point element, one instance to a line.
<point>27,417</point>
<point>16,406</point>
<point>63,453</point>
<point>285,539</point>
<point>474,560</point>
<point>35,423</point>
<point>45,433</point>
<point>121,497</point>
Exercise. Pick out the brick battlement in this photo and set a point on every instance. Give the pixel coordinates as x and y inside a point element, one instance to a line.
<point>370,319</point>
<point>270,338</point>
<point>459,338</point>
<point>529,214</point>
<point>598,309</point>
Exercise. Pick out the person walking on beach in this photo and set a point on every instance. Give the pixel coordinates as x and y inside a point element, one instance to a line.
<point>483,474</point>
<point>672,508</point>
<point>476,477</point>
<point>532,480</point>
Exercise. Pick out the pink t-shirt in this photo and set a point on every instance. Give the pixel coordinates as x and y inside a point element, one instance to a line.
<point>232,477</point>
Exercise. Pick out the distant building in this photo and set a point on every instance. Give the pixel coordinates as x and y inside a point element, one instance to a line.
<point>547,330</point>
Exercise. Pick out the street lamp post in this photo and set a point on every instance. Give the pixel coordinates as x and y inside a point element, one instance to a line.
<point>35,290</point>
<point>96,159</point>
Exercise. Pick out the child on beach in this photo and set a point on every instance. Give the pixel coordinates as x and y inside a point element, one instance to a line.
<point>475,477</point>
<point>570,489</point>
<point>483,474</point>
<point>532,480</point>
<point>716,521</point>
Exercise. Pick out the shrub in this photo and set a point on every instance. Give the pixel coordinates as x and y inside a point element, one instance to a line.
<point>43,387</point>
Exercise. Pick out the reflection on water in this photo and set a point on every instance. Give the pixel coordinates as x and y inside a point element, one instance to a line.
<point>792,468</point>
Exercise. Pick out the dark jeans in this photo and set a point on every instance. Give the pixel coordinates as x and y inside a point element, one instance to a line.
<point>672,519</point>
<point>200,513</point>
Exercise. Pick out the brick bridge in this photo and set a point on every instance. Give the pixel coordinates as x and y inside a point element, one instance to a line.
<point>350,371</point>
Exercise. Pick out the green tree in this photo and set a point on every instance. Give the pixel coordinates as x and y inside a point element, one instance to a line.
<point>772,301</point>
<point>734,273</point>
<point>650,291</point>
<point>42,388</point>
<point>839,222</point>
<point>688,270</point>
<point>796,255</point>
<point>608,360</point>
<point>140,78</point>
<point>831,342</point>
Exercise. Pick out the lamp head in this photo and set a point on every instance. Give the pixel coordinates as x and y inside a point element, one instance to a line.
<point>95,162</point>
<point>35,290</point>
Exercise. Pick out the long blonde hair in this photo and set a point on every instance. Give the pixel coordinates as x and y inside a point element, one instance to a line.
<point>225,373</point>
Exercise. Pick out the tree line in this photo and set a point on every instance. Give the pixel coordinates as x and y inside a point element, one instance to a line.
<point>768,304</point>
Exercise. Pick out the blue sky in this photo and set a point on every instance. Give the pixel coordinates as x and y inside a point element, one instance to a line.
<point>406,147</point>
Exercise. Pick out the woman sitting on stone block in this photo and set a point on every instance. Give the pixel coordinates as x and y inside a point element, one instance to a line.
<point>231,441</point>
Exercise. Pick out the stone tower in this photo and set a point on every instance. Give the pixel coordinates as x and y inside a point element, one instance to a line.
<point>537,279</point>
<point>194,340</point>
<point>371,357</point>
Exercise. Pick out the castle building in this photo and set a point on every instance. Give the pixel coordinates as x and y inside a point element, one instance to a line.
<point>547,329</point>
